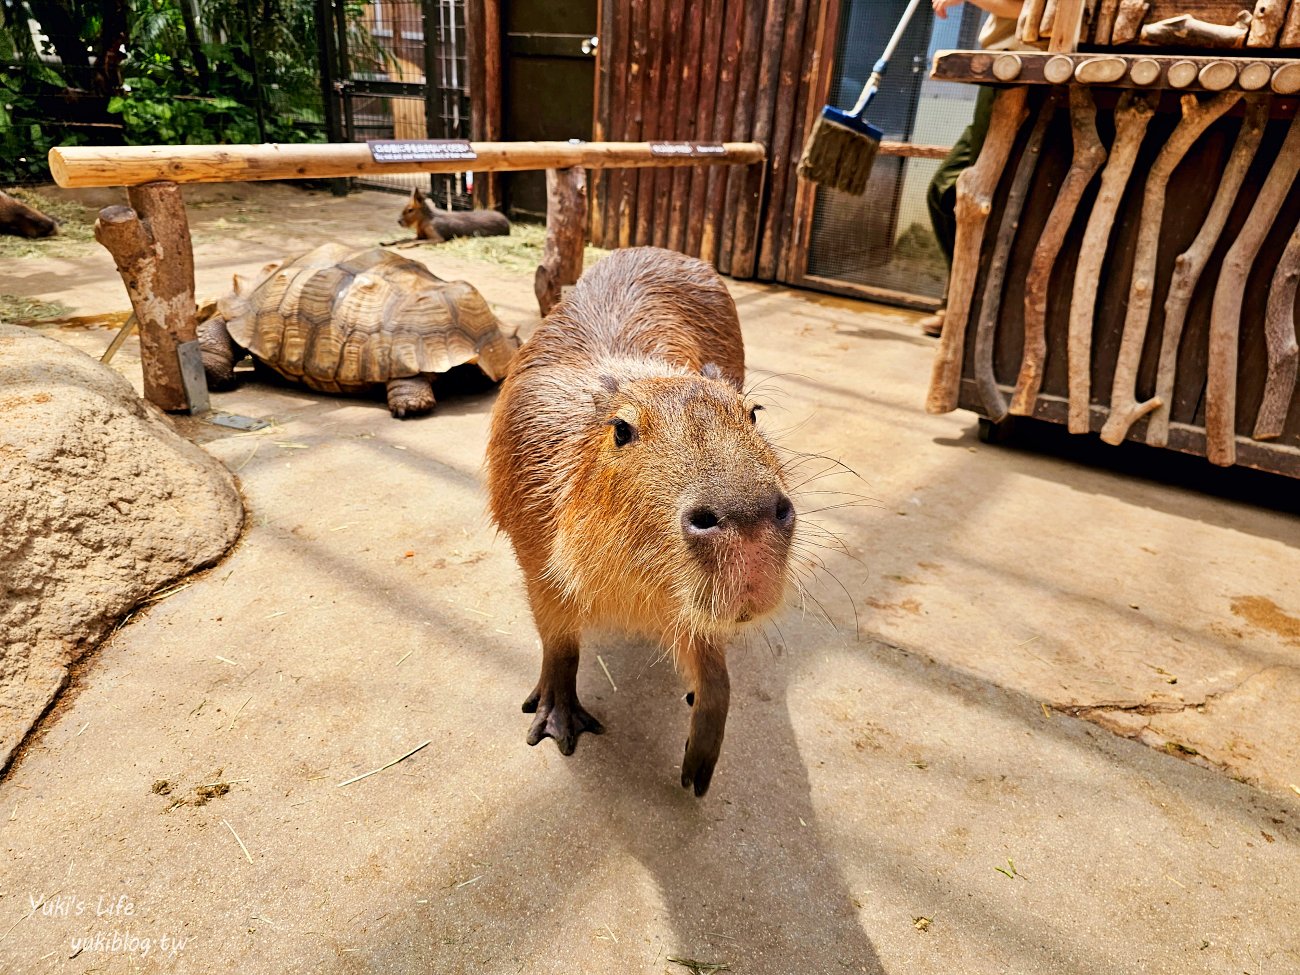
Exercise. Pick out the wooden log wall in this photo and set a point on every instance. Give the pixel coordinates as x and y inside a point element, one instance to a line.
<point>712,71</point>
<point>1194,308</point>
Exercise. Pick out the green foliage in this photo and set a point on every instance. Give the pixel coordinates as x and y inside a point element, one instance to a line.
<point>194,71</point>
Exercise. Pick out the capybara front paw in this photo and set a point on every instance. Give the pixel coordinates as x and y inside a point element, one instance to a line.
<point>697,766</point>
<point>561,719</point>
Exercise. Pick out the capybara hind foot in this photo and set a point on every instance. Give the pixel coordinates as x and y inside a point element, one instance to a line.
<point>410,396</point>
<point>561,717</point>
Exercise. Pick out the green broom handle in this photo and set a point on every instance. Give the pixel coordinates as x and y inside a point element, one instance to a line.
<point>878,72</point>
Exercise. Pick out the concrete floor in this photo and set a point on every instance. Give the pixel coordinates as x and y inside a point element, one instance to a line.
<point>904,786</point>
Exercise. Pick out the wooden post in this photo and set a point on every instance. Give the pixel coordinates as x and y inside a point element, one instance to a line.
<point>975,189</point>
<point>1225,314</point>
<point>1191,264</point>
<point>995,404</point>
<point>1131,120</point>
<point>566,235</point>
<point>1125,410</point>
<point>1283,352</point>
<point>1067,26</point>
<point>150,242</point>
<point>1089,155</point>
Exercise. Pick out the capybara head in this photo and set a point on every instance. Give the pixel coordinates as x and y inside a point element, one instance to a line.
<point>678,511</point>
<point>413,212</point>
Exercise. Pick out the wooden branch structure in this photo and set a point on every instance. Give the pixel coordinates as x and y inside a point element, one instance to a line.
<point>1031,19</point>
<point>566,236</point>
<point>1106,13</point>
<point>975,189</point>
<point>1187,31</point>
<point>1131,120</point>
<point>1124,408</point>
<point>1283,352</point>
<point>1089,156</point>
<point>991,307</point>
<point>1145,71</point>
<point>74,166</point>
<point>1128,21</point>
<point>1191,264</point>
<point>1291,27</point>
<point>150,243</point>
<point>1064,20</point>
<point>1266,25</point>
<point>1225,317</point>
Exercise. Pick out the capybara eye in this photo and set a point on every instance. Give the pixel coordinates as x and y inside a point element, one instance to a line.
<point>753,413</point>
<point>623,432</point>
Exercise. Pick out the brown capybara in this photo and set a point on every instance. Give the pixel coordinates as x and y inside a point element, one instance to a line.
<point>627,467</point>
<point>433,224</point>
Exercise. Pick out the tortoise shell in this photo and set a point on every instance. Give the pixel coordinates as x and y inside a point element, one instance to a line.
<point>338,320</point>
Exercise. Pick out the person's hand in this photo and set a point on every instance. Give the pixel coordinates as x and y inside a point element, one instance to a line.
<point>941,7</point>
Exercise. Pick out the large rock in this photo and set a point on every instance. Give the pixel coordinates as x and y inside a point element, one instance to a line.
<point>101,503</point>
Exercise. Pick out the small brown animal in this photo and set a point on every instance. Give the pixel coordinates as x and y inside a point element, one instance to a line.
<point>17,218</point>
<point>627,468</point>
<point>430,223</point>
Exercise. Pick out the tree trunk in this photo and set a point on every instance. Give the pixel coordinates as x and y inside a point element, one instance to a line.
<point>150,243</point>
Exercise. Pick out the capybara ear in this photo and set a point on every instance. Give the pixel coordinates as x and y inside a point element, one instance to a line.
<point>711,370</point>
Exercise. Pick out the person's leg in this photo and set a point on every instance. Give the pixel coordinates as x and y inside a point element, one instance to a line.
<point>941,198</point>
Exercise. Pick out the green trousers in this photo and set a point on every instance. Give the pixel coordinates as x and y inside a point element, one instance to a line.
<point>942,195</point>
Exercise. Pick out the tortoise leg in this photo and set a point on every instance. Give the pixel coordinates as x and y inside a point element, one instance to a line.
<point>218,352</point>
<point>410,396</point>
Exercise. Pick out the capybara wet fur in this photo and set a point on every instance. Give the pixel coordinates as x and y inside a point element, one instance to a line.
<point>638,490</point>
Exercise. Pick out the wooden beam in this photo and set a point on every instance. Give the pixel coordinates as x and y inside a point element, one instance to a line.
<point>150,243</point>
<point>1188,31</point>
<point>75,166</point>
<point>1145,71</point>
<point>566,223</point>
<point>975,188</point>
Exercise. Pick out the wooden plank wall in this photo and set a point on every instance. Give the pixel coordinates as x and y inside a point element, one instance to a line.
<point>712,71</point>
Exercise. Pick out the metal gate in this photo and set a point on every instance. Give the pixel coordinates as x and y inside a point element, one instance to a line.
<point>395,69</point>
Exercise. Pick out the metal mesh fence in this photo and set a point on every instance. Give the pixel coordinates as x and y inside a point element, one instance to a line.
<point>883,239</point>
<point>402,75</point>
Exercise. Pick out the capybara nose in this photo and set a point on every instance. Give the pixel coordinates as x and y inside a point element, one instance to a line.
<point>704,521</point>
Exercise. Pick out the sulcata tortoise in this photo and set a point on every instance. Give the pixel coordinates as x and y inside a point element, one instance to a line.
<point>340,320</point>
